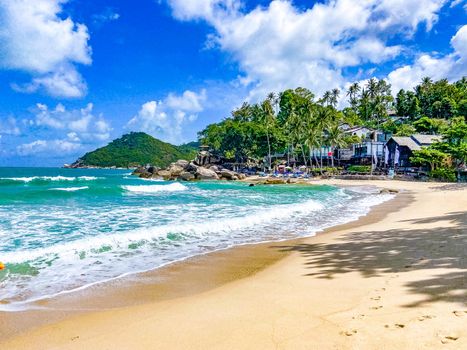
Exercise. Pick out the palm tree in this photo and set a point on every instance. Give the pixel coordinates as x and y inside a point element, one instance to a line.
<point>335,138</point>
<point>312,136</point>
<point>352,92</point>
<point>334,97</point>
<point>268,116</point>
<point>326,99</point>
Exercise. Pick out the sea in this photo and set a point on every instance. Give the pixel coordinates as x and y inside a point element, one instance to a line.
<point>63,230</point>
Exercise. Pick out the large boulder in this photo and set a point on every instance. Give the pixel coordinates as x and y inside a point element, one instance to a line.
<point>228,174</point>
<point>187,176</point>
<point>175,170</point>
<point>153,169</point>
<point>139,170</point>
<point>182,163</point>
<point>206,174</point>
<point>214,168</point>
<point>145,175</point>
<point>191,167</point>
<point>164,174</point>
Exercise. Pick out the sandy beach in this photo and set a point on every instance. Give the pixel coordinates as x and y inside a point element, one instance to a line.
<point>396,279</point>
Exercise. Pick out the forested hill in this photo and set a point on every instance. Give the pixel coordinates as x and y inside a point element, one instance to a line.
<point>137,148</point>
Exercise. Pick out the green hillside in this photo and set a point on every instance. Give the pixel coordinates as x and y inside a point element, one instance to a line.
<point>137,148</point>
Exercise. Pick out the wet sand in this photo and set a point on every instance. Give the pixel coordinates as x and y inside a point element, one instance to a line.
<point>394,279</point>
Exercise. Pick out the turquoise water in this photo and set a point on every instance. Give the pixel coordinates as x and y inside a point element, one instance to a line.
<point>63,229</point>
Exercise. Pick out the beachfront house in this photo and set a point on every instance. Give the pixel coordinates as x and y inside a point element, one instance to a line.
<point>400,148</point>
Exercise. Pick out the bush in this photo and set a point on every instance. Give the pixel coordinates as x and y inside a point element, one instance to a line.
<point>444,174</point>
<point>326,170</point>
<point>359,169</point>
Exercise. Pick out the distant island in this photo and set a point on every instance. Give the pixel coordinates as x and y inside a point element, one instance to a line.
<point>136,149</point>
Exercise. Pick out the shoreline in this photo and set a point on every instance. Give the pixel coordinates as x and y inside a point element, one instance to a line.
<point>158,283</point>
<point>227,269</point>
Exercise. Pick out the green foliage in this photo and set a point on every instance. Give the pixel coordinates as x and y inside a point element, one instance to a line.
<point>138,148</point>
<point>359,169</point>
<point>432,158</point>
<point>404,130</point>
<point>430,125</point>
<point>444,174</point>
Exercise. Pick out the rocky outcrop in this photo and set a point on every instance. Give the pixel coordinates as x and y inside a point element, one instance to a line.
<point>190,171</point>
<point>206,174</point>
<point>187,176</point>
<point>166,175</point>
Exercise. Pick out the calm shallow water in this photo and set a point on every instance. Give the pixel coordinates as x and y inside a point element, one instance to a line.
<point>63,229</point>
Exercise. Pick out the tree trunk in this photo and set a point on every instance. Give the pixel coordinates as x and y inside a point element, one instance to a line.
<point>269,150</point>
<point>303,154</point>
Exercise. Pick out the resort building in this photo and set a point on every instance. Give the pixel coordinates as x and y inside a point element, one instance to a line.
<point>400,148</point>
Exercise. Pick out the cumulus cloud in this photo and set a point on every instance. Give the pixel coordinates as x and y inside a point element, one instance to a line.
<point>47,146</point>
<point>34,38</point>
<point>452,66</point>
<point>81,124</point>
<point>281,46</point>
<point>166,119</point>
<point>9,126</point>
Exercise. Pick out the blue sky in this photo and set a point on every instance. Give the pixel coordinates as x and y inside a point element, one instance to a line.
<point>76,74</point>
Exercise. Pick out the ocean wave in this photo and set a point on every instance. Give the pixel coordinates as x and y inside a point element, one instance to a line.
<point>122,240</point>
<point>173,187</point>
<point>50,178</point>
<point>69,189</point>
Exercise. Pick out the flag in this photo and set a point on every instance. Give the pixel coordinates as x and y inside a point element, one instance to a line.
<point>397,156</point>
<point>375,156</point>
<point>386,155</point>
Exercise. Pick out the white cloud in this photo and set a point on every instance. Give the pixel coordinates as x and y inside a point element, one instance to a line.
<point>452,66</point>
<point>203,9</point>
<point>80,123</point>
<point>108,15</point>
<point>34,38</point>
<point>281,46</point>
<point>47,146</point>
<point>166,119</point>
<point>9,126</point>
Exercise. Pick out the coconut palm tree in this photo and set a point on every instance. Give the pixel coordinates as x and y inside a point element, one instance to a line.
<point>352,92</point>
<point>326,99</point>
<point>267,116</point>
<point>334,98</point>
<point>335,139</point>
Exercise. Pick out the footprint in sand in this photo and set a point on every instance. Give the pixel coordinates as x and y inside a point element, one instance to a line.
<point>449,339</point>
<point>395,326</point>
<point>349,333</point>
<point>376,307</point>
<point>359,317</point>
<point>376,298</point>
<point>460,313</point>
<point>426,317</point>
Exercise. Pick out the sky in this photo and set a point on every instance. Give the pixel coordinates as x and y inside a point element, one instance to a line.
<point>76,74</point>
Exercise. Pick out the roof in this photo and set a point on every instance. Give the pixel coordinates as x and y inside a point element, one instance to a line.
<point>356,128</point>
<point>426,139</point>
<point>407,142</point>
<point>415,142</point>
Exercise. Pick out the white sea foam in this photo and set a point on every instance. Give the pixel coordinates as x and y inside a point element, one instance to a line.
<point>123,239</point>
<point>69,189</point>
<point>173,187</point>
<point>150,235</point>
<point>51,178</point>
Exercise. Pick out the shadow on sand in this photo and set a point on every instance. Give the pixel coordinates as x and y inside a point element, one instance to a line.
<point>374,252</point>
